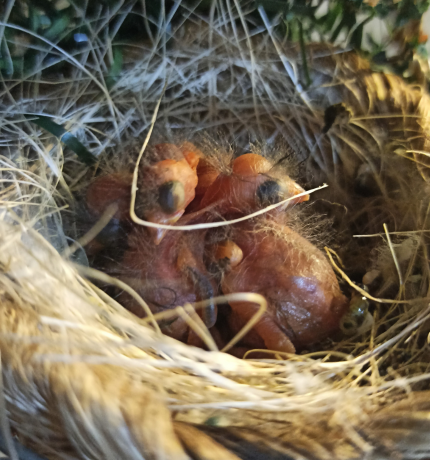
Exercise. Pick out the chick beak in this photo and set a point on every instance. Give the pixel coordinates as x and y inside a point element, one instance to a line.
<point>297,191</point>
<point>157,234</point>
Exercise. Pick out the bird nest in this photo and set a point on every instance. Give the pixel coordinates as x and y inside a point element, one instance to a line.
<point>84,378</point>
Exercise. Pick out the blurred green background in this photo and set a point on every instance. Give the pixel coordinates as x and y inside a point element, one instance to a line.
<point>83,26</point>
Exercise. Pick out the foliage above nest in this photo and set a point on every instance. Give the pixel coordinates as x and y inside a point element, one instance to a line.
<point>75,26</point>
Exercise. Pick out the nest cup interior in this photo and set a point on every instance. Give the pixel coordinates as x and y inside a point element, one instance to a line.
<point>84,378</point>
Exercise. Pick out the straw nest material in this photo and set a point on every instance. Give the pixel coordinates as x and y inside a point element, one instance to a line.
<point>83,378</point>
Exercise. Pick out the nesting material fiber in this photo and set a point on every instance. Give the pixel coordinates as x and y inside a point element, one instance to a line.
<point>83,378</point>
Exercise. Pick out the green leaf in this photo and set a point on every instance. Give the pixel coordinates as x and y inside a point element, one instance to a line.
<point>338,30</point>
<point>383,10</point>
<point>67,138</point>
<point>116,67</point>
<point>59,25</point>
<point>408,10</point>
<point>349,18</point>
<point>293,31</point>
<point>357,35</point>
<point>331,16</point>
<point>423,6</point>
<point>6,62</point>
<point>304,58</point>
<point>34,18</point>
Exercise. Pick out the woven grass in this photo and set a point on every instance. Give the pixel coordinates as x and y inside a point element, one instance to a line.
<point>83,378</point>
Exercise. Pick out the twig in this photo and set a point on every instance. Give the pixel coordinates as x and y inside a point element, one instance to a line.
<point>362,291</point>
<point>92,273</point>
<point>93,232</point>
<point>393,253</point>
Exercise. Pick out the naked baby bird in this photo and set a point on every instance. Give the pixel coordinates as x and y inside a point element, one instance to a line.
<point>170,268</point>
